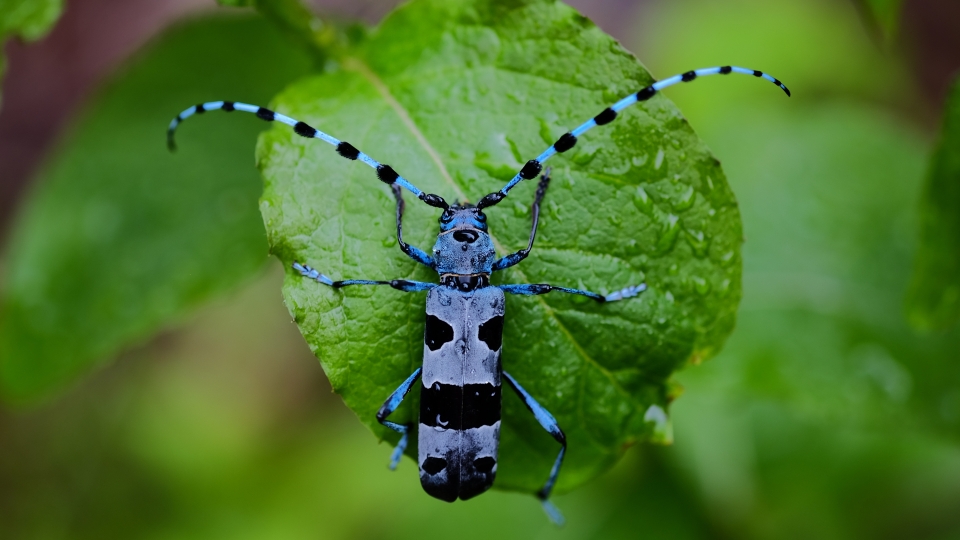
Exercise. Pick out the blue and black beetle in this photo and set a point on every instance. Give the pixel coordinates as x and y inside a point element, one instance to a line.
<point>461,376</point>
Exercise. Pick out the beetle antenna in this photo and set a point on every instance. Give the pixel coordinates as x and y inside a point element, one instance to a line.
<point>385,172</point>
<point>567,141</point>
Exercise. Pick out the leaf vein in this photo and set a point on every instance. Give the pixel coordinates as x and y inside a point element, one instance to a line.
<point>365,71</point>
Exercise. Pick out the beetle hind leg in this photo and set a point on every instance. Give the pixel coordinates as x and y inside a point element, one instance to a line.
<point>391,405</point>
<point>549,423</point>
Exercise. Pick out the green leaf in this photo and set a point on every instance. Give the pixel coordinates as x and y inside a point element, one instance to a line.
<point>824,401</point>
<point>28,19</point>
<point>934,297</point>
<point>297,22</point>
<point>119,237</point>
<point>824,390</point>
<point>884,14</point>
<point>456,97</point>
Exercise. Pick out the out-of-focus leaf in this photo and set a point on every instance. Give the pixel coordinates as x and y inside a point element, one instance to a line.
<point>884,14</point>
<point>28,19</point>
<point>805,36</point>
<point>826,416</point>
<point>297,22</point>
<point>825,411</point>
<point>118,237</point>
<point>456,97</point>
<point>934,297</point>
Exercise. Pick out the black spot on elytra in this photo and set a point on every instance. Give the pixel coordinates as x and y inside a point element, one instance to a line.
<point>437,333</point>
<point>481,405</point>
<point>484,464</point>
<point>491,332</point>
<point>433,465</point>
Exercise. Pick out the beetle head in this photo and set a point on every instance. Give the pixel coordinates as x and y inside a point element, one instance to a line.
<point>463,245</point>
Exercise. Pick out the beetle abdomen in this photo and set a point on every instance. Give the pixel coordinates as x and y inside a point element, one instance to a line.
<point>460,398</point>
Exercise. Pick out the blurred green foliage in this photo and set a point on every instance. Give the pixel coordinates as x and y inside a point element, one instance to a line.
<point>119,237</point>
<point>884,14</point>
<point>934,300</point>
<point>27,19</point>
<point>456,97</point>
<point>298,24</point>
<point>824,417</point>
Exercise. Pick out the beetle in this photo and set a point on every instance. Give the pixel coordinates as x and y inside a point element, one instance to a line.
<point>462,374</point>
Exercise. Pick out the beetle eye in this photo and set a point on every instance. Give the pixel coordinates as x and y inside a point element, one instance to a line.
<point>446,217</point>
<point>481,216</point>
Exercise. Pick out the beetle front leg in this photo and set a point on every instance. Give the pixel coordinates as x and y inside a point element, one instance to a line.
<point>413,252</point>
<point>514,258</point>
<point>549,423</point>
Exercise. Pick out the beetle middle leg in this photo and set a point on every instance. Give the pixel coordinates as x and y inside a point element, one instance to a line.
<point>530,289</point>
<point>514,258</point>
<point>399,284</point>
<point>413,252</point>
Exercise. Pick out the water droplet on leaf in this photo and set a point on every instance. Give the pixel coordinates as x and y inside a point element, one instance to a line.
<point>686,199</point>
<point>662,428</point>
<point>520,209</point>
<point>658,161</point>
<point>584,155</point>
<point>724,287</point>
<point>669,229</point>
<point>698,241</point>
<point>642,201</point>
<point>555,211</point>
<point>701,285</point>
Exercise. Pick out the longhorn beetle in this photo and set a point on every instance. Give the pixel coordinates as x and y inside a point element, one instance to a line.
<point>461,376</point>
